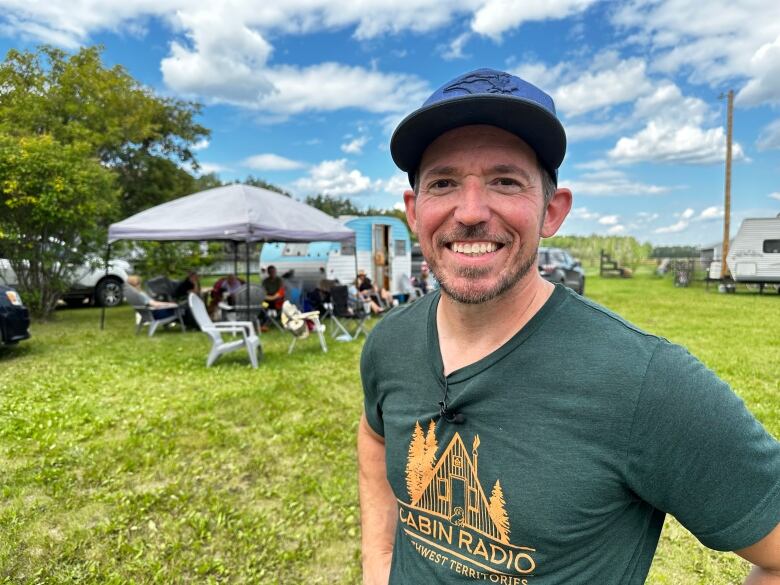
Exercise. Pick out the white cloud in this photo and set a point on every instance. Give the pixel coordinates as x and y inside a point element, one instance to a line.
<point>646,216</point>
<point>455,49</point>
<point>713,212</point>
<point>769,139</point>
<point>674,228</point>
<point>764,87</point>
<point>202,144</point>
<point>224,60</point>
<point>664,142</point>
<point>495,17</point>
<point>674,132</point>
<point>775,195</point>
<point>609,220</point>
<point>69,24</point>
<point>616,229</point>
<point>272,162</point>
<point>611,183</point>
<point>688,213</point>
<point>606,81</point>
<point>208,168</point>
<point>334,178</point>
<point>711,41</point>
<point>355,146</point>
<point>617,82</point>
<point>583,213</point>
<point>395,185</point>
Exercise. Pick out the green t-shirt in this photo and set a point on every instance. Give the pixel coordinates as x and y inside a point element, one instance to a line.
<point>580,433</point>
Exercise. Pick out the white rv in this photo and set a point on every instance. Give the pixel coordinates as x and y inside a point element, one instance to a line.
<point>754,255</point>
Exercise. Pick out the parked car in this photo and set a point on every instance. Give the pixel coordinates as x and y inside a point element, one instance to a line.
<point>90,282</point>
<point>14,317</point>
<point>557,265</point>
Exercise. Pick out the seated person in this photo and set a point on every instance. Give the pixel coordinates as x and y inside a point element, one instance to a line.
<point>426,281</point>
<point>274,289</point>
<point>224,288</point>
<point>160,309</point>
<point>370,293</point>
<point>191,283</point>
<point>321,294</point>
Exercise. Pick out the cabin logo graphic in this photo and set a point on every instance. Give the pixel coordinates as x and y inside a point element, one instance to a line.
<point>449,518</point>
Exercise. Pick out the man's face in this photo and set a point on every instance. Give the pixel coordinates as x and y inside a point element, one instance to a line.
<point>272,272</point>
<point>479,211</point>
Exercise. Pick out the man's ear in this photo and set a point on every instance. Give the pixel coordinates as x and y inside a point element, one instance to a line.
<point>411,212</point>
<point>557,210</point>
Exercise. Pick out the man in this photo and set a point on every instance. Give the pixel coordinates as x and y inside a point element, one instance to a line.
<point>274,289</point>
<point>427,282</point>
<point>515,432</point>
<point>191,283</point>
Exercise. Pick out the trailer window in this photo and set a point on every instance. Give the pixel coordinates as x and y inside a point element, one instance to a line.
<point>348,247</point>
<point>296,249</point>
<point>772,246</point>
<point>400,247</point>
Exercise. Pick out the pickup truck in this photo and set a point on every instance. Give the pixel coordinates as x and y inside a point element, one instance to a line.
<point>90,282</point>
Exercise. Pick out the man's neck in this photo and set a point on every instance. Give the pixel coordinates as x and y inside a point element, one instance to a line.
<point>467,333</point>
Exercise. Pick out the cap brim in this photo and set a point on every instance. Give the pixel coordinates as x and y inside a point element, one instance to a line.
<point>535,125</point>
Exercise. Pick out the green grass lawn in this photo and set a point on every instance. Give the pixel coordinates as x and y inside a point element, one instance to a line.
<point>123,459</point>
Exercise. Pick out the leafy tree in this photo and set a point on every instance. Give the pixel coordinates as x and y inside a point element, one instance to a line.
<point>105,147</point>
<point>75,98</point>
<point>52,197</point>
<point>174,259</point>
<point>675,252</point>
<point>263,184</point>
<point>334,206</point>
<point>626,250</point>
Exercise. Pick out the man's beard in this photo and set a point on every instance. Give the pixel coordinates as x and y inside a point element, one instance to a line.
<point>473,296</point>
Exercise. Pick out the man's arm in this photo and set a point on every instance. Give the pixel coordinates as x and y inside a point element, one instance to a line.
<point>765,554</point>
<point>378,507</point>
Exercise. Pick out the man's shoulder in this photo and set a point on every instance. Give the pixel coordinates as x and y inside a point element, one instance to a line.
<point>589,313</point>
<point>405,321</point>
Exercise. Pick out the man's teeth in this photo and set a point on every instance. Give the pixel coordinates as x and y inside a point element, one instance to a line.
<point>474,248</point>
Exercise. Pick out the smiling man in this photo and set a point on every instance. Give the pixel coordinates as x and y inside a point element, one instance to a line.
<point>515,432</point>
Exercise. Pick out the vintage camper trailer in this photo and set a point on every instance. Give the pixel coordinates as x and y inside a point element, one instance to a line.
<point>382,248</point>
<point>754,254</point>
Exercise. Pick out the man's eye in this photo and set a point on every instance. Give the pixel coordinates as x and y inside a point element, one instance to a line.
<point>504,181</point>
<point>440,184</point>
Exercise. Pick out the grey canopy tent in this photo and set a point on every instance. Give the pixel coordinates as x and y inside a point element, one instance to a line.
<point>235,213</point>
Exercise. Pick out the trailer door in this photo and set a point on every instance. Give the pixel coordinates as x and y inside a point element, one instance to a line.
<point>381,255</point>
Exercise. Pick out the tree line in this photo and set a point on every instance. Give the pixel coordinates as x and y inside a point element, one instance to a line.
<point>625,250</point>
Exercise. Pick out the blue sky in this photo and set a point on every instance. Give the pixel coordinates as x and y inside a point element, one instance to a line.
<point>306,93</point>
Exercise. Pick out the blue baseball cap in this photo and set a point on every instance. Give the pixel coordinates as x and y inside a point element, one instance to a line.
<point>484,96</point>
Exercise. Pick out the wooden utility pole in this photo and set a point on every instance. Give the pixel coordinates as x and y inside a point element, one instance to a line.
<point>727,204</point>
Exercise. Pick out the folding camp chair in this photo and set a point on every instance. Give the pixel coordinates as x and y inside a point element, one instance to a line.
<point>296,324</point>
<point>219,346</point>
<point>145,315</point>
<point>344,309</point>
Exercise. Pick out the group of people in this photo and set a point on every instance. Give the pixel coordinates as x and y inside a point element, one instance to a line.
<point>224,289</point>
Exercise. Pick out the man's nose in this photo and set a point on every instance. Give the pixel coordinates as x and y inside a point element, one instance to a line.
<point>472,206</point>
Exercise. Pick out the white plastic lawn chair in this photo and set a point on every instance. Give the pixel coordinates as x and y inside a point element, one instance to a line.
<point>219,346</point>
<point>296,323</point>
<point>145,315</point>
